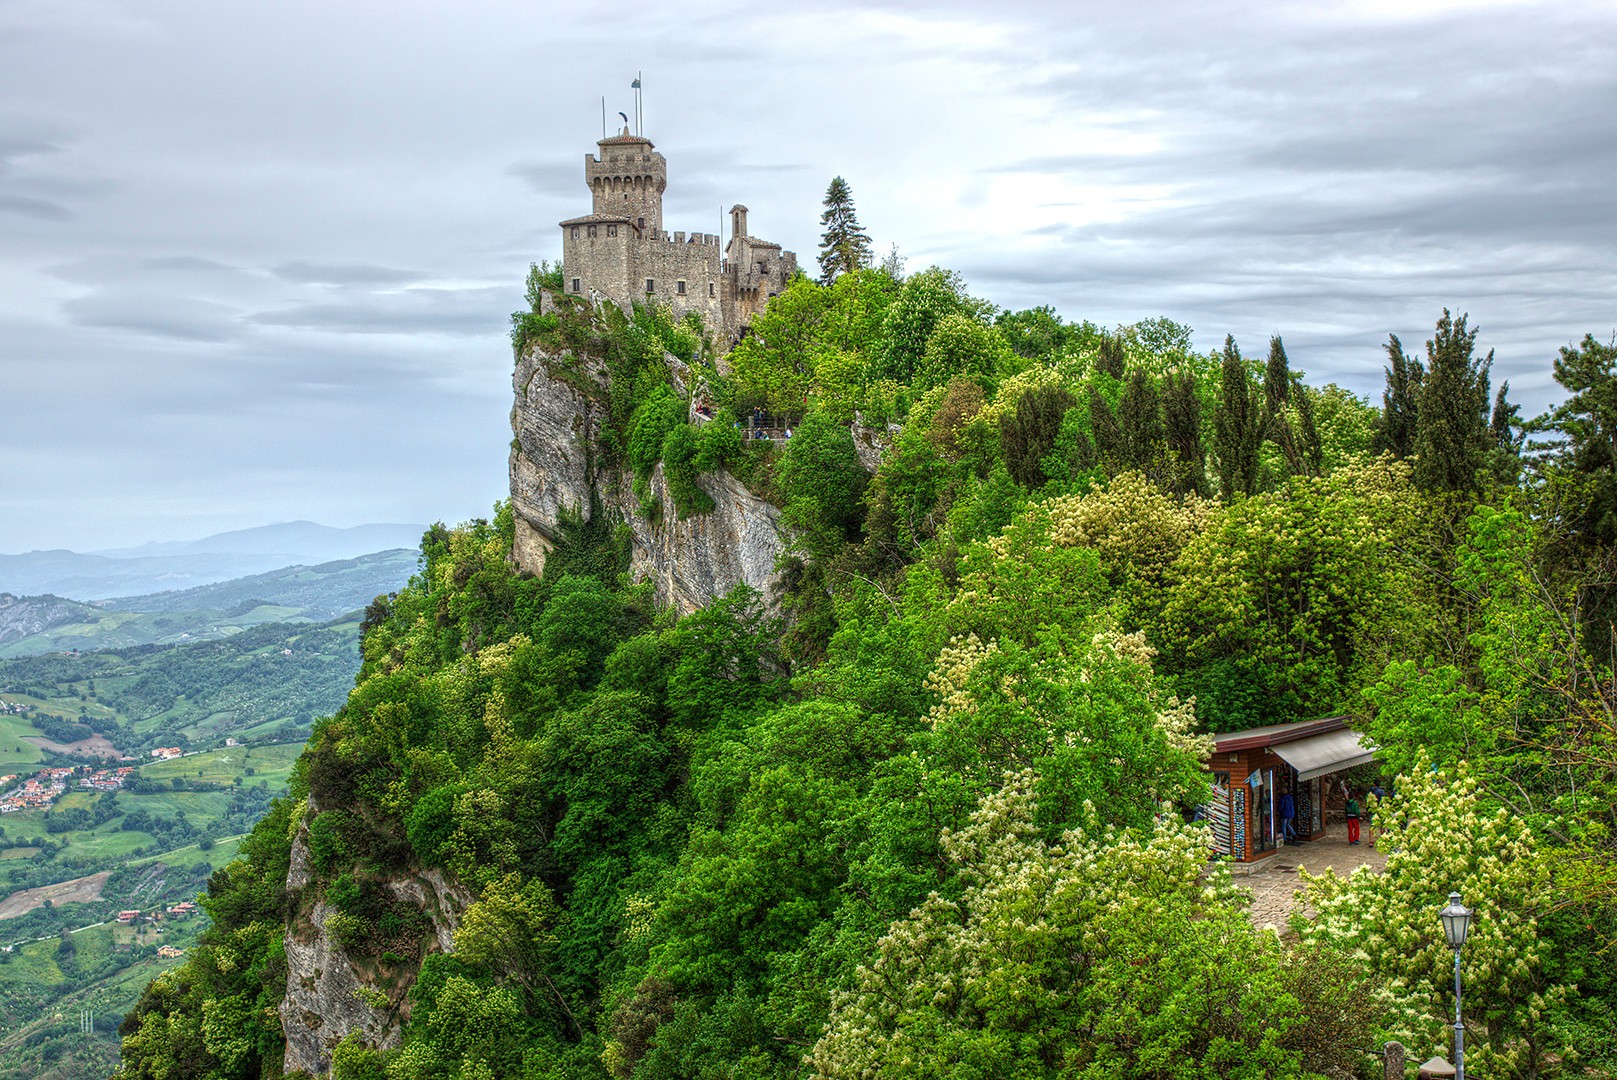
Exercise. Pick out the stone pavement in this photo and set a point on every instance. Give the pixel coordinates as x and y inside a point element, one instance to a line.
<point>1275,886</point>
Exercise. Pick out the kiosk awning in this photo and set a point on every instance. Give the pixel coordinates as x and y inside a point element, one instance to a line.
<point>1328,753</point>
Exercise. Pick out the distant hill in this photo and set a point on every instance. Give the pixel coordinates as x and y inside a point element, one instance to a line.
<point>301,540</point>
<point>163,567</point>
<point>321,591</point>
<point>34,625</point>
<point>24,616</point>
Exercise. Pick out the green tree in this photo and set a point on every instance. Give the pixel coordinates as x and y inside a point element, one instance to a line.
<point>1400,401</point>
<point>922,302</point>
<point>821,482</point>
<point>1182,429</point>
<point>1111,359</point>
<point>1451,426</point>
<point>1028,432</point>
<point>961,346</point>
<point>1237,425</point>
<point>1139,418</point>
<point>844,246</point>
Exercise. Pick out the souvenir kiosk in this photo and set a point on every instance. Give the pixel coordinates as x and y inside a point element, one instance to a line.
<point>1254,770</point>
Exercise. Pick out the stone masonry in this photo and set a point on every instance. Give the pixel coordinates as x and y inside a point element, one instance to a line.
<point>620,251</point>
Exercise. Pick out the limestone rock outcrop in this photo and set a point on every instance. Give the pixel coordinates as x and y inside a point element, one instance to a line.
<point>560,406</point>
<point>329,994</point>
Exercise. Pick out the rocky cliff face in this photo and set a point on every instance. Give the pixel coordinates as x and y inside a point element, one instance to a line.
<point>330,995</point>
<point>560,406</point>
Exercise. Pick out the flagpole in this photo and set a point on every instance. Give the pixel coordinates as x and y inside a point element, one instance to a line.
<point>603,116</point>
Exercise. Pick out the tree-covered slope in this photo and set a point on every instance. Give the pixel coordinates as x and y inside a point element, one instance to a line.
<point>923,812</point>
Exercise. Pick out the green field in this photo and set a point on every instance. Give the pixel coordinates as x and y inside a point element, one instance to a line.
<point>13,751</point>
<point>272,762</point>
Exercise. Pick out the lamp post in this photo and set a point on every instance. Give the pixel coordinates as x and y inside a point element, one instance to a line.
<point>1456,922</point>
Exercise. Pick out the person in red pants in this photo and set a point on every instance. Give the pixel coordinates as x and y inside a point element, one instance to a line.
<point>1352,819</point>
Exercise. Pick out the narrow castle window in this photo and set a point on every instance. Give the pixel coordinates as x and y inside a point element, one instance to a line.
<point>679,287</point>
<point>575,286</point>
<point>651,285</point>
<point>575,232</point>
<point>710,291</point>
<point>611,230</point>
<point>592,232</point>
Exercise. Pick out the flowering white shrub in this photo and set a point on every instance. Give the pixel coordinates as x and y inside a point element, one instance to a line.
<point>1439,838</point>
<point>1105,955</point>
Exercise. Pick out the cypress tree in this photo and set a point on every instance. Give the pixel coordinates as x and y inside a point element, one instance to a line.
<point>1400,402</point>
<point>1237,425</point>
<point>1505,437</point>
<point>1182,420</point>
<point>1029,432</point>
<point>1103,425</point>
<point>1312,453</point>
<point>1112,359</point>
<point>1451,430</point>
<point>844,246</point>
<point>1277,391</point>
<point>1139,415</point>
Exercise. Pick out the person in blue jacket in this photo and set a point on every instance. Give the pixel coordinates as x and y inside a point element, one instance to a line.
<point>1288,811</point>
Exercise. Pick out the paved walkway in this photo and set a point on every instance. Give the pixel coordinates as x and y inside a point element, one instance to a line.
<point>1275,887</point>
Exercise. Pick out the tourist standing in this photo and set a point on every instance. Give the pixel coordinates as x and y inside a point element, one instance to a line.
<point>1352,818</point>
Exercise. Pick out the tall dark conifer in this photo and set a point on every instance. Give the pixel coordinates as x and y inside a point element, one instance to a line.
<point>1182,419</point>
<point>1277,392</point>
<point>1112,360</point>
<point>1400,402</point>
<point>1029,432</point>
<point>1139,415</point>
<point>1451,430</point>
<point>1312,454</point>
<point>1237,425</point>
<point>1104,426</point>
<point>844,246</point>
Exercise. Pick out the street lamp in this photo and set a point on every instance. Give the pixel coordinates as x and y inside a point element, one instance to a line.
<point>1456,922</point>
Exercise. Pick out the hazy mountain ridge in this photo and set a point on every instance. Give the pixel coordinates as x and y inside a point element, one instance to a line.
<point>33,625</point>
<point>181,565</point>
<point>329,588</point>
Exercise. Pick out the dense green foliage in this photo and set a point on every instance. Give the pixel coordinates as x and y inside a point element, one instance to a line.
<point>921,813</point>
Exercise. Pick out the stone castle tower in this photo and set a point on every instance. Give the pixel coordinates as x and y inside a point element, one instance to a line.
<point>619,251</point>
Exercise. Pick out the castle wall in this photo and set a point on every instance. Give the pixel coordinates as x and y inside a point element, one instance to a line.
<point>755,271</point>
<point>696,261</point>
<point>601,263</point>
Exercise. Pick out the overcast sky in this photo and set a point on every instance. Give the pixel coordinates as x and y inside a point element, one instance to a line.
<point>257,259</point>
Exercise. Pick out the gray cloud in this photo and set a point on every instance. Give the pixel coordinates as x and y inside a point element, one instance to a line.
<point>27,206</point>
<point>410,311</point>
<point>308,273</point>
<point>160,316</point>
